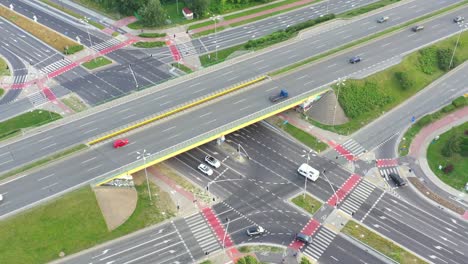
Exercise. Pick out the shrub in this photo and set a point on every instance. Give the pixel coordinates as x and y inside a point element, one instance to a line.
<point>304,260</point>
<point>448,169</point>
<point>404,80</point>
<point>460,102</point>
<point>72,49</point>
<point>464,146</point>
<point>449,108</point>
<point>425,120</point>
<point>443,59</point>
<point>428,60</point>
<point>452,146</point>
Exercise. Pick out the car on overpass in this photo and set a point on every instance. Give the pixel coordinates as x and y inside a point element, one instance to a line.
<point>255,231</point>
<point>458,19</point>
<point>205,169</point>
<point>1,198</point>
<point>417,28</point>
<point>355,59</point>
<point>212,161</point>
<point>382,19</point>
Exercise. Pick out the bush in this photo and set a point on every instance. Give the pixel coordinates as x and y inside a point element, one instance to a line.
<point>304,260</point>
<point>464,146</point>
<point>428,60</point>
<point>443,59</point>
<point>404,80</point>
<point>358,100</point>
<point>460,102</point>
<point>452,146</point>
<point>247,260</point>
<point>449,108</point>
<point>425,120</point>
<point>448,169</point>
<point>73,49</point>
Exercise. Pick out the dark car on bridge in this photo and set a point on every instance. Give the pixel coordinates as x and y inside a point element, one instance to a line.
<point>417,28</point>
<point>355,59</point>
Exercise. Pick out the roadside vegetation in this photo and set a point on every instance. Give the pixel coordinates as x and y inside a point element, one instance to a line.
<point>182,67</point>
<point>13,126</point>
<point>248,260</point>
<point>73,223</point>
<point>260,248</point>
<point>152,35</point>
<point>367,8</point>
<point>262,42</point>
<point>450,152</point>
<point>149,44</point>
<point>96,63</point>
<point>1,92</point>
<point>304,137</point>
<point>426,120</point>
<point>380,244</point>
<point>365,100</point>
<point>4,69</point>
<point>50,37</point>
<point>44,161</point>
<point>309,203</point>
<point>74,103</point>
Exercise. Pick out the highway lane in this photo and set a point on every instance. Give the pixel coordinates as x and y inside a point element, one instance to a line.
<point>200,120</point>
<point>202,85</point>
<point>19,73</point>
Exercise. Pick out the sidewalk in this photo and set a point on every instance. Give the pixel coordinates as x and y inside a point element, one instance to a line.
<point>421,142</point>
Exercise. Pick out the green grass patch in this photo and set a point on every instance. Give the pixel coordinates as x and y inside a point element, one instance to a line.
<point>206,262</point>
<point>71,13</point>
<point>150,44</point>
<point>182,67</point>
<point>74,103</point>
<point>210,59</point>
<point>260,248</point>
<point>94,5</point>
<point>383,245</point>
<point>367,8</point>
<point>115,34</point>
<point>27,120</point>
<point>44,161</point>
<point>4,69</point>
<point>304,137</point>
<point>152,35</point>
<point>73,223</point>
<point>443,152</point>
<point>309,204</point>
<point>409,135</point>
<point>1,92</point>
<point>96,63</point>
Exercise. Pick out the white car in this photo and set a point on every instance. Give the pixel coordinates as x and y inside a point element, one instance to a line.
<point>205,169</point>
<point>212,161</point>
<point>1,198</point>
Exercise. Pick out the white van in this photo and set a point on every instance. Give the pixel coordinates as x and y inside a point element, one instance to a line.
<point>309,172</point>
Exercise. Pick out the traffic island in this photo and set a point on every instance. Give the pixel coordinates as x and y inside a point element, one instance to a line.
<point>307,203</point>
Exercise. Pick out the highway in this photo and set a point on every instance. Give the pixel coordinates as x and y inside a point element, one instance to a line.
<point>122,113</point>
<point>101,159</point>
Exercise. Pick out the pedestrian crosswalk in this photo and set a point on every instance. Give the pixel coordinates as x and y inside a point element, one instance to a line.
<point>187,49</point>
<point>386,171</point>
<point>37,98</point>
<point>20,78</point>
<point>354,147</point>
<point>357,197</point>
<point>202,233</point>
<point>320,243</point>
<point>56,66</point>
<point>106,44</point>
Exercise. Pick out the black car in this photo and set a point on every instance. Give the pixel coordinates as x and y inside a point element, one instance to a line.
<point>397,179</point>
<point>304,238</point>
<point>458,19</point>
<point>255,231</point>
<point>355,59</point>
<point>417,28</point>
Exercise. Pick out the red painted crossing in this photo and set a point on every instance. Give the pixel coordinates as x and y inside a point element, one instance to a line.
<point>344,152</point>
<point>465,215</point>
<point>387,163</point>
<point>309,229</point>
<point>216,226</point>
<point>174,51</point>
<point>341,193</point>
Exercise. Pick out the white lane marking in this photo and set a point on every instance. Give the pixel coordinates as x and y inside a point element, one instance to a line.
<point>85,124</point>
<point>48,186</point>
<point>51,145</point>
<point>93,168</point>
<point>209,113</point>
<point>44,139</point>
<point>88,160</point>
<point>45,177</point>
<point>167,129</point>
<point>241,100</point>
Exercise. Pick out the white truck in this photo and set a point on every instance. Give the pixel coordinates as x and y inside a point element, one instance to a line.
<point>308,172</point>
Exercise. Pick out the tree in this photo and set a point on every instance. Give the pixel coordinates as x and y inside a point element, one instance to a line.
<point>444,56</point>
<point>198,7</point>
<point>453,145</point>
<point>404,79</point>
<point>153,14</point>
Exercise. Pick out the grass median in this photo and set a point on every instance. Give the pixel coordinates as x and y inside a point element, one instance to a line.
<point>74,103</point>
<point>36,118</point>
<point>50,37</point>
<point>309,204</point>
<point>380,244</point>
<point>149,44</point>
<point>96,63</point>
<point>71,13</point>
<point>72,223</point>
<point>4,69</point>
<point>182,67</point>
<point>367,8</point>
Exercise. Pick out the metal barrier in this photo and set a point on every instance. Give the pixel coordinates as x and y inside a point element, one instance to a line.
<point>207,136</point>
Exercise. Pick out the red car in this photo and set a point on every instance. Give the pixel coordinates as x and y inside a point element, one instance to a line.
<point>120,142</point>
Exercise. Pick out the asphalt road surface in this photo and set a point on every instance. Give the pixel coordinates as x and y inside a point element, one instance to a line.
<point>247,101</point>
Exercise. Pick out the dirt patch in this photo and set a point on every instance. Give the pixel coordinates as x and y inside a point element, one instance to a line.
<point>435,197</point>
<point>323,111</point>
<point>117,204</point>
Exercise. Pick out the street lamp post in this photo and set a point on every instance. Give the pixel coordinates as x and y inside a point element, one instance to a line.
<point>462,26</point>
<point>143,156</point>
<point>215,18</point>
<point>225,233</point>
<point>307,156</point>
<point>333,189</point>
<point>85,21</point>
<point>339,83</point>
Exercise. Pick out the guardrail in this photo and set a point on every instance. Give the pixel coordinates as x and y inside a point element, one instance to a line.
<point>176,109</point>
<point>207,137</point>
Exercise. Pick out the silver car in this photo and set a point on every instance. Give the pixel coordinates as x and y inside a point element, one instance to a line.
<point>205,169</point>
<point>212,161</point>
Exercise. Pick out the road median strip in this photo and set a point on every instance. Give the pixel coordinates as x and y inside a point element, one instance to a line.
<point>178,109</point>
